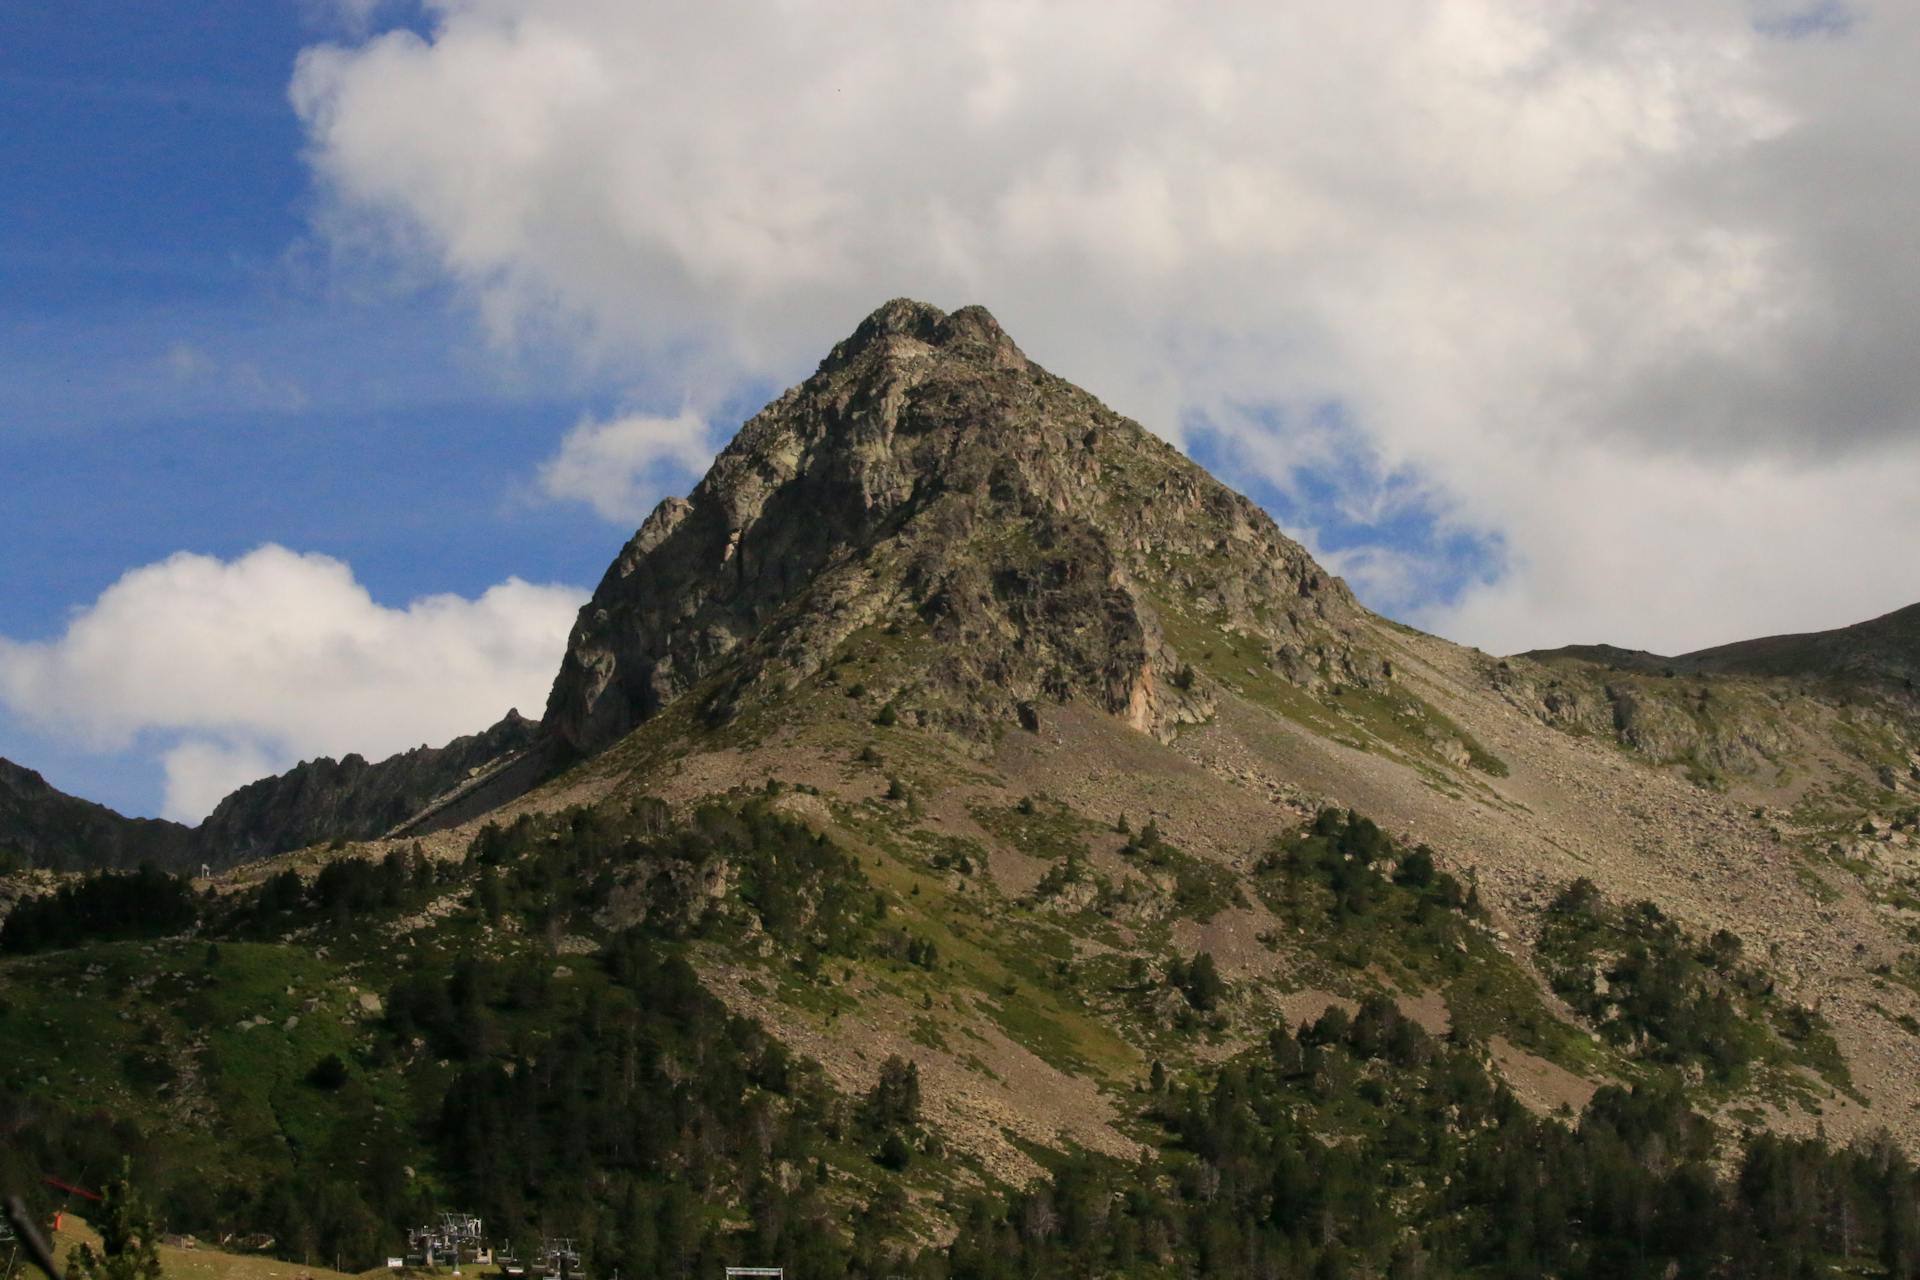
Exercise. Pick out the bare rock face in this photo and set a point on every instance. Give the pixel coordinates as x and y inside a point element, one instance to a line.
<point>931,479</point>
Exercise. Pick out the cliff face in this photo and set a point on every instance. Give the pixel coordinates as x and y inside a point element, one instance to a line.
<point>930,477</point>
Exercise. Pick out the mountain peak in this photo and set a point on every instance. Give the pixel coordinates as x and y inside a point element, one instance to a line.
<point>1028,544</point>
<point>906,327</point>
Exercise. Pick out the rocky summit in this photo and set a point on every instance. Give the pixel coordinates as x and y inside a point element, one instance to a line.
<point>930,476</point>
<point>965,839</point>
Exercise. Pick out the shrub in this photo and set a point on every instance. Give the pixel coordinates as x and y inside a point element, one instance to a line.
<point>894,1153</point>
<point>329,1073</point>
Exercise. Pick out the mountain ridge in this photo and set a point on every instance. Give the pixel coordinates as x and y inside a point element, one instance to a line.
<point>315,802</point>
<point>46,827</point>
<point>1885,648</point>
<point>921,439</point>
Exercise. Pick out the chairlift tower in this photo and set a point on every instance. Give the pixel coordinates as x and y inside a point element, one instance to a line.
<point>451,1236</point>
<point>558,1259</point>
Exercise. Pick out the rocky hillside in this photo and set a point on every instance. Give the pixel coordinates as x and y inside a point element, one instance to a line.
<point>936,584</point>
<point>1781,718</point>
<point>315,802</point>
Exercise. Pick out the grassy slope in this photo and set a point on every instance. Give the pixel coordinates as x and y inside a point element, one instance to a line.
<point>1072,970</point>
<point>204,1263</point>
<point>1053,968</point>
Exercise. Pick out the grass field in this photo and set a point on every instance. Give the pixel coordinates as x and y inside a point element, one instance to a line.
<point>202,1263</point>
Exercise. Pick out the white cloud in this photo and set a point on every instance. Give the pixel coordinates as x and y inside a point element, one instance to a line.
<point>1624,283</point>
<point>236,668</point>
<point>201,772</point>
<point>622,466</point>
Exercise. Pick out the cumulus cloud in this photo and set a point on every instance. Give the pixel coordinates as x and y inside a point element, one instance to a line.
<point>621,466</point>
<point>201,772</point>
<point>237,668</point>
<point>1626,289</point>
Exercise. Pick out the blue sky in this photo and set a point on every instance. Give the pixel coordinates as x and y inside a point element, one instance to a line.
<point>181,368</point>
<point>1534,338</point>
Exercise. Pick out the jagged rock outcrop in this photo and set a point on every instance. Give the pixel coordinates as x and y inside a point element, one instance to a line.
<point>930,478</point>
<point>350,798</point>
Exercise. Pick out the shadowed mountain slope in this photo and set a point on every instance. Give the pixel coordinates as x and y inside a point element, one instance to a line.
<point>314,802</point>
<point>352,799</point>
<point>1884,649</point>
<point>42,827</point>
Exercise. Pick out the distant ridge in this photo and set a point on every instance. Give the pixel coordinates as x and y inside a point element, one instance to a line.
<point>1883,650</point>
<point>933,491</point>
<point>314,802</point>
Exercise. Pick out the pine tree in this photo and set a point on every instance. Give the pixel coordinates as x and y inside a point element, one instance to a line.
<point>1204,988</point>
<point>129,1240</point>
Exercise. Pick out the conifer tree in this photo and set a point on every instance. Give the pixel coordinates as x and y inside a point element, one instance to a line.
<point>129,1240</point>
